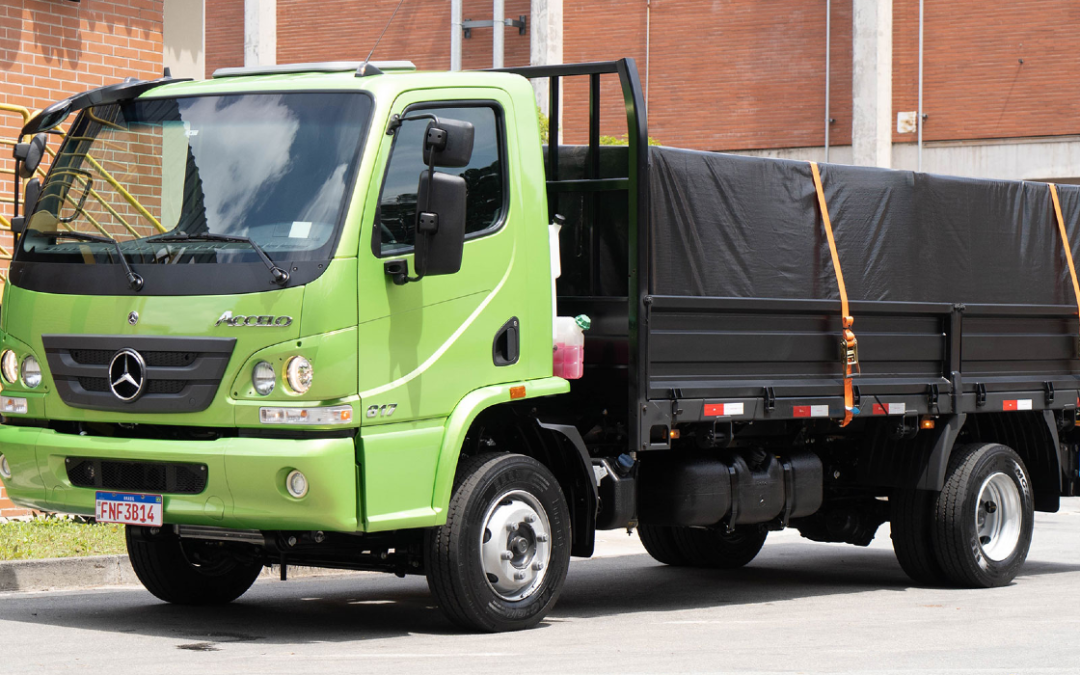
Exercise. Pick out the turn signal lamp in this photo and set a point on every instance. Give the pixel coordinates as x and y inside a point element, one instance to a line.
<point>926,423</point>
<point>339,414</point>
<point>9,366</point>
<point>13,405</point>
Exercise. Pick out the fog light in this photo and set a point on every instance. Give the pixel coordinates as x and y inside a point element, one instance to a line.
<point>299,373</point>
<point>5,469</point>
<point>296,484</point>
<point>262,377</point>
<point>338,414</point>
<point>9,366</point>
<point>10,404</point>
<point>31,372</point>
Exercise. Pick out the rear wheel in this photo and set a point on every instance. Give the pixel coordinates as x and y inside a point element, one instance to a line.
<point>718,548</point>
<point>911,522</point>
<point>500,560</point>
<point>659,542</point>
<point>984,516</point>
<point>188,572</point>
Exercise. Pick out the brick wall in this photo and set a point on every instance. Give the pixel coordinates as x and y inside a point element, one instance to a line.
<point>51,49</point>
<point>743,74</point>
<point>224,34</point>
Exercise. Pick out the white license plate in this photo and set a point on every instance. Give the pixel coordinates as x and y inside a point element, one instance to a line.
<point>129,509</point>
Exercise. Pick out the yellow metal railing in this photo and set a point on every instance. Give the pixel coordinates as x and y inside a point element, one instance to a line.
<point>5,222</point>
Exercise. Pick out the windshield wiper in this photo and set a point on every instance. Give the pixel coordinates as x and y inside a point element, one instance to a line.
<point>134,280</point>
<point>281,277</point>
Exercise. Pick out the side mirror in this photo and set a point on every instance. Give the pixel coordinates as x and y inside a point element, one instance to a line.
<point>440,224</point>
<point>448,143</point>
<point>29,155</point>
<point>31,195</point>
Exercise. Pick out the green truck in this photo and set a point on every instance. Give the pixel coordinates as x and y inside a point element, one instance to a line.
<point>309,315</point>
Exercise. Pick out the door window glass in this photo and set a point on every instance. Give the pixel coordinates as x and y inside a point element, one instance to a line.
<point>395,222</point>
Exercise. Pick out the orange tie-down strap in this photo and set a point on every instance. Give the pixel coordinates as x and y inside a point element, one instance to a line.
<point>1068,248</point>
<point>849,346</point>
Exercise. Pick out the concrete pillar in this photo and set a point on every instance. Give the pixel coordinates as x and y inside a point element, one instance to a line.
<point>260,32</point>
<point>545,42</point>
<point>871,91</point>
<point>183,29</point>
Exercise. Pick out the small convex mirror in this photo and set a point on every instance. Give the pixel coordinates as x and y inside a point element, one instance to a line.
<point>448,143</point>
<point>29,155</point>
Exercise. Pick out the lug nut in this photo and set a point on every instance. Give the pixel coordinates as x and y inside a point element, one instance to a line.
<point>538,566</point>
<point>519,576</point>
<point>506,555</point>
<point>541,538</point>
<point>510,527</point>
<point>529,519</point>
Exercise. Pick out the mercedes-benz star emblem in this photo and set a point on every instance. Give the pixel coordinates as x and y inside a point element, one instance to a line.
<point>127,374</point>
<point>133,318</point>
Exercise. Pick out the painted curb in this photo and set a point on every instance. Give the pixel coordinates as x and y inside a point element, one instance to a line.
<point>102,570</point>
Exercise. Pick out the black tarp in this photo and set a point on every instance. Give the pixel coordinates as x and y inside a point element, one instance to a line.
<point>733,226</point>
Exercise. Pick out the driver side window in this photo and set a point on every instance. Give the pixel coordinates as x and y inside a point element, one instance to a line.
<point>395,219</point>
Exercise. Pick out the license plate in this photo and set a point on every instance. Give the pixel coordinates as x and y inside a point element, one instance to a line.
<point>129,509</point>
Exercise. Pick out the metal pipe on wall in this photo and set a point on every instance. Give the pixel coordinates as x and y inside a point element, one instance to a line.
<point>828,44</point>
<point>455,34</point>
<point>497,39</point>
<point>919,115</point>
<point>648,29</point>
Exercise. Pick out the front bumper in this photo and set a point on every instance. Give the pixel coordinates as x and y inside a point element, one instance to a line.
<point>245,478</point>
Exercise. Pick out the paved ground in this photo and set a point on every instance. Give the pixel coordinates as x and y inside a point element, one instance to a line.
<point>800,607</point>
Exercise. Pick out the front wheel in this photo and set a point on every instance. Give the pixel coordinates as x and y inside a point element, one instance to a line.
<point>500,560</point>
<point>984,516</point>
<point>188,572</point>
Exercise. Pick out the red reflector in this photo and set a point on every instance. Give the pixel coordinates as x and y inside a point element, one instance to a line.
<point>714,409</point>
<point>517,392</point>
<point>1008,405</point>
<point>880,409</point>
<point>801,411</point>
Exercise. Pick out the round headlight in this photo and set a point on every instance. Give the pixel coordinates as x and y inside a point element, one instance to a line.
<point>296,484</point>
<point>262,378</point>
<point>31,372</point>
<point>298,373</point>
<point>5,468</point>
<point>9,366</point>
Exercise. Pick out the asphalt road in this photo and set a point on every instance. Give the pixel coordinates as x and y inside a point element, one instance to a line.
<point>800,607</point>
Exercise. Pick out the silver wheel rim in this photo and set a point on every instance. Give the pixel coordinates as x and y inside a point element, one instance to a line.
<point>515,545</point>
<point>998,517</point>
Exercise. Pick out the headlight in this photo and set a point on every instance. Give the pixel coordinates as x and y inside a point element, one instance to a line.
<point>5,468</point>
<point>9,366</point>
<point>31,372</point>
<point>262,378</point>
<point>298,373</point>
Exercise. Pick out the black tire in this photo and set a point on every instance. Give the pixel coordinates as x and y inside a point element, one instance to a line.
<point>188,572</point>
<point>996,474</point>
<point>718,549</point>
<point>659,542</point>
<point>912,522</point>
<point>456,575</point>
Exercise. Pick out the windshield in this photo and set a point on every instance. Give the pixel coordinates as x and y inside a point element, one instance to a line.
<point>164,176</point>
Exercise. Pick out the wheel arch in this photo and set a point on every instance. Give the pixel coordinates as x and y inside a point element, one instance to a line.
<point>489,416</point>
<point>1033,435</point>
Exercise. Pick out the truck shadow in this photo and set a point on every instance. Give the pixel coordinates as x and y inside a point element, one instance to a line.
<point>349,607</point>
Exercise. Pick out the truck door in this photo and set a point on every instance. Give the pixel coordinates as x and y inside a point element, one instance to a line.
<point>425,344</point>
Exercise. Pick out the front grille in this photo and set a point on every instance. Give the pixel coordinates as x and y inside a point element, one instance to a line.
<point>182,374</point>
<point>103,357</point>
<point>155,477</point>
